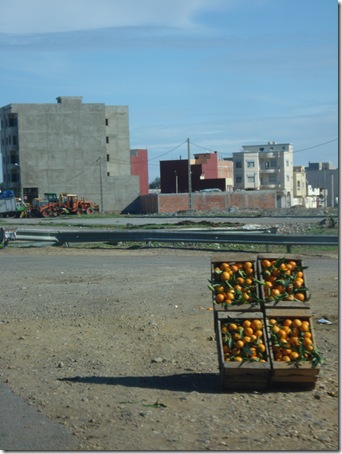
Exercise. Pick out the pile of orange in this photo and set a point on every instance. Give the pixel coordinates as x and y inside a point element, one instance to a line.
<point>234,283</point>
<point>283,279</point>
<point>291,340</point>
<point>243,340</point>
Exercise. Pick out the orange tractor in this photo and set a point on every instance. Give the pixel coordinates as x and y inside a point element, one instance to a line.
<point>52,205</point>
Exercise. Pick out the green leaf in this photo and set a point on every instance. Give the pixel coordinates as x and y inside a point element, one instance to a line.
<point>156,405</point>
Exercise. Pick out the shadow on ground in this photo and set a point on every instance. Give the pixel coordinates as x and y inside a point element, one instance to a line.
<point>201,382</point>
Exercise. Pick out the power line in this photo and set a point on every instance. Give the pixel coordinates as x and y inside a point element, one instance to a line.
<point>315,146</point>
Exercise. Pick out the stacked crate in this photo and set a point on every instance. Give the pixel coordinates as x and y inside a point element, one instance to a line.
<point>271,289</point>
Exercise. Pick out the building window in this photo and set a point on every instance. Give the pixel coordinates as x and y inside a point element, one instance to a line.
<point>298,185</point>
<point>238,180</point>
<point>287,163</point>
<point>106,121</point>
<point>14,140</point>
<point>272,179</point>
<point>251,178</point>
<point>267,164</point>
<point>107,139</point>
<point>287,178</point>
<point>107,157</point>
<point>274,163</point>
<point>250,164</point>
<point>238,165</point>
<point>108,174</point>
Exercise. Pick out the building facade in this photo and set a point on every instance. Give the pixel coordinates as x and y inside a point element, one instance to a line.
<point>206,172</point>
<point>139,162</point>
<point>266,167</point>
<point>69,147</point>
<point>325,176</point>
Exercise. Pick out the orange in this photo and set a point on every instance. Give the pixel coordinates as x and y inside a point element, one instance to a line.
<point>249,271</point>
<point>258,333</point>
<point>225,276</point>
<point>238,358</point>
<point>224,266</point>
<point>230,295</point>
<point>234,268</point>
<point>219,289</point>
<point>294,340</point>
<point>287,322</point>
<point>248,331</point>
<point>256,324</point>
<point>232,327</point>
<point>219,298</point>
<point>248,265</point>
<point>294,356</point>
<point>296,322</point>
<point>240,280</point>
<point>298,283</point>
<point>239,344</point>
<point>300,296</point>
<point>282,334</point>
<point>265,263</point>
<point>272,321</point>
<point>246,323</point>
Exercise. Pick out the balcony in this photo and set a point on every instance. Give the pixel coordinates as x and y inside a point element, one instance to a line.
<point>273,170</point>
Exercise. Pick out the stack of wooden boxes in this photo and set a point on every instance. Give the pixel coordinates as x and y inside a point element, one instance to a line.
<point>277,295</point>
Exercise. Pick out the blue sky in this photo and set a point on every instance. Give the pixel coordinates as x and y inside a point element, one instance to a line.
<point>224,73</point>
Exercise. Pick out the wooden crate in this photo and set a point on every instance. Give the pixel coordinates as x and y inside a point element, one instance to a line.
<point>239,302</point>
<point>299,373</point>
<point>281,301</point>
<point>246,375</point>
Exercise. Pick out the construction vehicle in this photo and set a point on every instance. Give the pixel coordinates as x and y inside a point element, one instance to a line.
<point>11,206</point>
<point>52,205</point>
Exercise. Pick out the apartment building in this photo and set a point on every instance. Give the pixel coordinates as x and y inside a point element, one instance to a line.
<point>69,146</point>
<point>266,167</point>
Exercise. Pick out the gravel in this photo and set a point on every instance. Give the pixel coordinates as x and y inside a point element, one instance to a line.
<point>117,347</point>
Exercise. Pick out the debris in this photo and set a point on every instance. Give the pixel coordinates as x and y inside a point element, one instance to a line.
<point>324,321</point>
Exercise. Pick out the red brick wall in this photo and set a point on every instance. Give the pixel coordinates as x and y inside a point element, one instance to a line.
<point>172,203</point>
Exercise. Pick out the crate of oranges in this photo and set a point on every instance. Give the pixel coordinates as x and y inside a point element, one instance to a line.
<point>282,282</point>
<point>234,285</point>
<point>294,356</point>
<point>244,358</point>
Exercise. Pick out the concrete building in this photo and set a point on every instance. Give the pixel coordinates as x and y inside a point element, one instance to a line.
<point>325,176</point>
<point>69,147</point>
<point>266,167</point>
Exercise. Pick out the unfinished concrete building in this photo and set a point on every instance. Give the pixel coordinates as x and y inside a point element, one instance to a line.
<point>69,146</point>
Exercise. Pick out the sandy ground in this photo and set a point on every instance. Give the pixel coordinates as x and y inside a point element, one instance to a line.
<point>117,347</point>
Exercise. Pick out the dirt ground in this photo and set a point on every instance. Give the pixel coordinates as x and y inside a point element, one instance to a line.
<point>118,347</point>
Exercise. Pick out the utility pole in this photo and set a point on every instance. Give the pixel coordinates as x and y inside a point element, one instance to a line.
<point>189,177</point>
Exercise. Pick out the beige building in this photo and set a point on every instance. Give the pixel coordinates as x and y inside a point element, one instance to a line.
<point>266,167</point>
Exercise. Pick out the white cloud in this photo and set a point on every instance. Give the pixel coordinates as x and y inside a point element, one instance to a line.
<point>46,16</point>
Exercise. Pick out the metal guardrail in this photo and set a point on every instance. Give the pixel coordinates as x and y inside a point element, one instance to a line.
<point>177,236</point>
